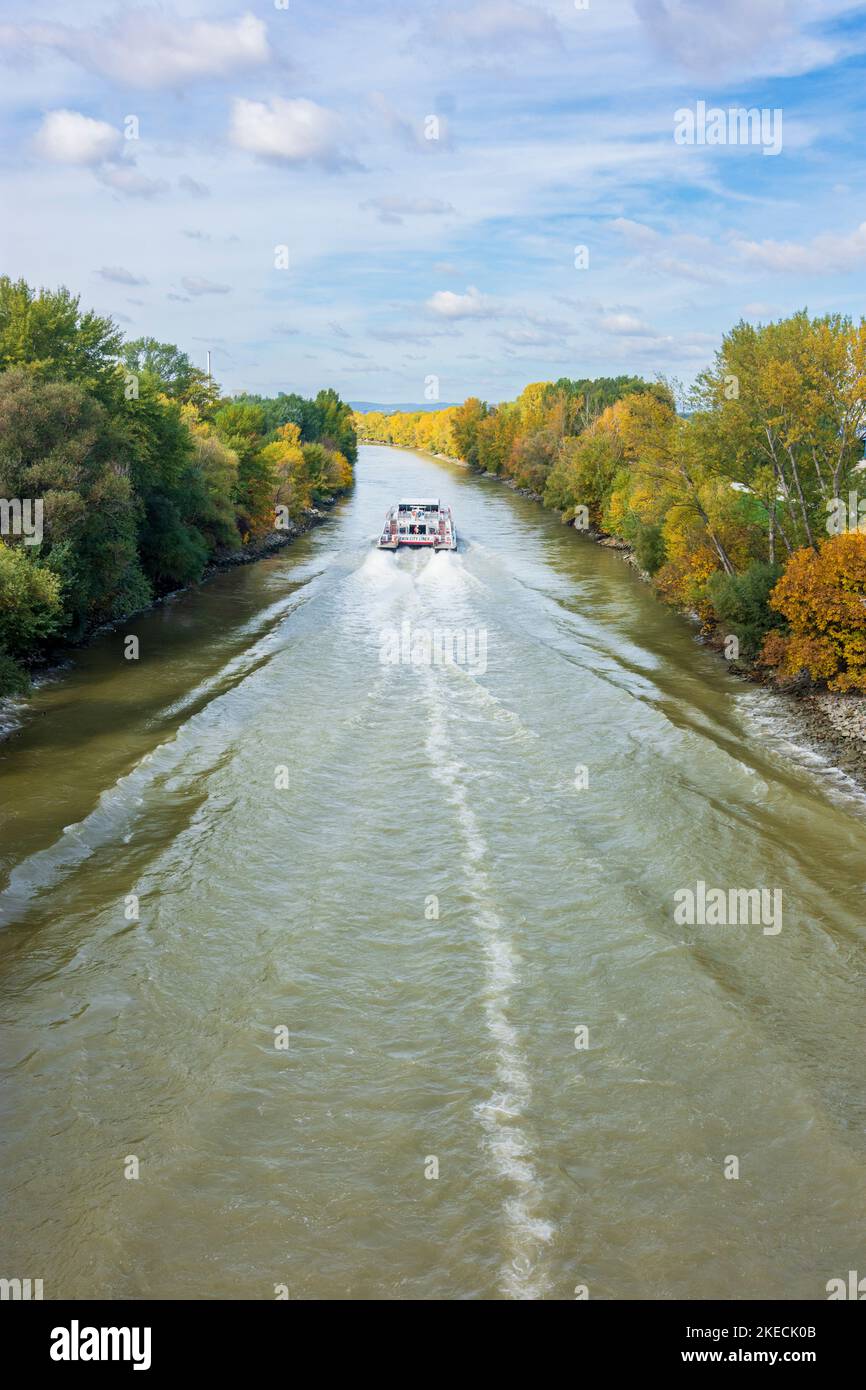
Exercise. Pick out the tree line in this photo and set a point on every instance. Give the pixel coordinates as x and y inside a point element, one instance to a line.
<point>143,472</point>
<point>739,497</point>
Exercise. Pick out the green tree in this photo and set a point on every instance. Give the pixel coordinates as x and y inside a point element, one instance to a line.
<point>59,444</point>
<point>649,546</point>
<point>171,371</point>
<point>334,425</point>
<point>583,473</point>
<point>47,333</point>
<point>741,603</point>
<point>31,607</point>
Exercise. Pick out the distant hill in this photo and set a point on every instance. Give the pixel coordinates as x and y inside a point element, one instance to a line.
<point>364,407</point>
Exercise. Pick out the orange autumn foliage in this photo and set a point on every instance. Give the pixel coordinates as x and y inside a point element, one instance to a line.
<point>823,597</point>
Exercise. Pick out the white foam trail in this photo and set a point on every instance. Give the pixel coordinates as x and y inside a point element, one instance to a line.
<point>500,1116</point>
<point>443,571</point>
<point>195,750</point>
<point>379,568</point>
<point>110,820</point>
<point>770,716</point>
<point>12,713</point>
<point>240,665</point>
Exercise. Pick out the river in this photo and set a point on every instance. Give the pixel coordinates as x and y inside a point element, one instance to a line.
<point>370,969</point>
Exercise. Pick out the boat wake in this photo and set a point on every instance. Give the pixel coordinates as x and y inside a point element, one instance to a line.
<point>501,1115</point>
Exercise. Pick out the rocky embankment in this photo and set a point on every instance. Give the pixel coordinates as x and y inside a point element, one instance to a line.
<point>273,541</point>
<point>836,726</point>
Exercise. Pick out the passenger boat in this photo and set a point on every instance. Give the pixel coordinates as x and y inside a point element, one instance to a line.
<point>419,521</point>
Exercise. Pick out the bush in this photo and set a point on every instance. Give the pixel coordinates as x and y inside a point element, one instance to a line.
<point>14,680</point>
<point>682,580</point>
<point>583,473</point>
<point>823,597</point>
<point>741,602</point>
<point>30,606</point>
<point>649,547</point>
<point>171,552</point>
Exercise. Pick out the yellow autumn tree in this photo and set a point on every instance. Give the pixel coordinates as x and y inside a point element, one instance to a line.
<point>289,482</point>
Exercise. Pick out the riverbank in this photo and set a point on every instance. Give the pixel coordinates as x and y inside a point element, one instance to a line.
<point>835,725</point>
<point>53,661</point>
<point>271,542</point>
<point>831,725</point>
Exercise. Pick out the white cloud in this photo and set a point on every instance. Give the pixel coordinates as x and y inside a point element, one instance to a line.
<point>717,36</point>
<point>193,187</point>
<point>826,254</point>
<point>637,232</point>
<point>414,134</point>
<point>498,23</point>
<point>393,210</point>
<point>196,285</point>
<point>758,310</point>
<point>67,137</point>
<point>126,179</point>
<point>682,256</point>
<point>350,352</point>
<point>546,324</point>
<point>293,131</point>
<point>531,337</point>
<point>470,305</point>
<point>149,48</point>
<point>626,326</point>
<point>119,275</point>
<point>408,335</point>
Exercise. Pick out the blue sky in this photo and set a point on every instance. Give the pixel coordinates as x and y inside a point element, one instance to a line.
<point>307,126</point>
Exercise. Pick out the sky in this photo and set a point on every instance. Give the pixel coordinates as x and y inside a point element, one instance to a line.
<point>400,200</point>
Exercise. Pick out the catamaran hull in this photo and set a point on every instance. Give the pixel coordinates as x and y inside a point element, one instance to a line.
<point>411,544</point>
